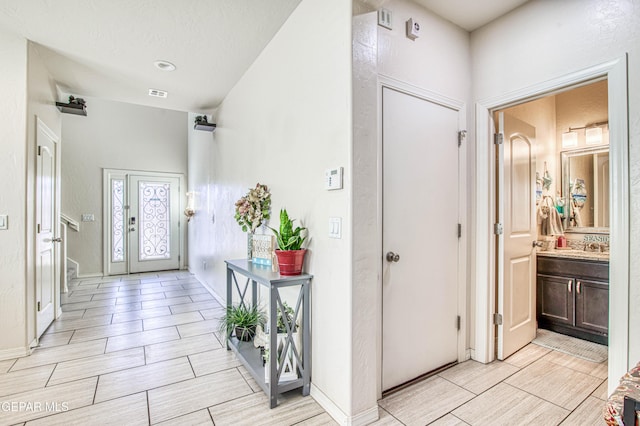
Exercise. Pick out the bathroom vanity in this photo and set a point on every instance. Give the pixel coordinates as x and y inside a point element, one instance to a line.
<point>573,293</point>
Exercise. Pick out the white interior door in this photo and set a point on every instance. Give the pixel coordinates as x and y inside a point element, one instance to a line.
<point>420,226</point>
<point>142,226</point>
<point>517,213</point>
<point>47,238</point>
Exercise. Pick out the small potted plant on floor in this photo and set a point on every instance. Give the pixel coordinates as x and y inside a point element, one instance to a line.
<point>290,253</point>
<point>242,321</point>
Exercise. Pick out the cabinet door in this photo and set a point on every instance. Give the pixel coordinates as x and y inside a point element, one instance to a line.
<point>592,305</point>
<point>555,300</point>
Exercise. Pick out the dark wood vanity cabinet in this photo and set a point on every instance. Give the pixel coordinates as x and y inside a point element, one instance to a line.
<point>573,297</point>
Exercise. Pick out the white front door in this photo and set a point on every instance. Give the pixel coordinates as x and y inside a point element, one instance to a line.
<point>154,237</point>
<point>142,230</point>
<point>517,213</point>
<point>420,227</point>
<point>47,239</point>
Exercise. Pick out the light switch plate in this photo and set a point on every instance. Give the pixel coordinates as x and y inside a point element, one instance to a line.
<point>335,227</point>
<point>88,217</point>
<point>384,18</point>
<point>4,221</point>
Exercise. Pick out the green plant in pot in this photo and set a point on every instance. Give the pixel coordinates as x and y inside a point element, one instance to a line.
<point>290,253</point>
<point>242,321</point>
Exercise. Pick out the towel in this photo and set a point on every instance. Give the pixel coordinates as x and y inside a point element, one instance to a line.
<point>548,217</point>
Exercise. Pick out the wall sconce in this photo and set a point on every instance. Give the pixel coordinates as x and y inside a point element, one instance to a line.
<point>593,135</point>
<point>190,210</point>
<point>569,139</point>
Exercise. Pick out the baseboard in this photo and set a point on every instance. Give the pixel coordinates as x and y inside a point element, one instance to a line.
<point>364,418</point>
<point>75,265</point>
<point>222,301</point>
<point>14,353</point>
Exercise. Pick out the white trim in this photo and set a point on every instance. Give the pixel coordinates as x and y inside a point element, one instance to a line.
<point>12,353</point>
<point>70,222</point>
<point>460,108</point>
<point>364,418</point>
<point>615,72</point>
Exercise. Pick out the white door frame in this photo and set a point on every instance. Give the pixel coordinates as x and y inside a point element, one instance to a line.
<point>460,107</point>
<point>615,72</point>
<point>106,214</point>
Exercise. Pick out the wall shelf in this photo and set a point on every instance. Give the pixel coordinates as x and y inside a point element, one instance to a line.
<point>75,109</point>
<point>207,127</point>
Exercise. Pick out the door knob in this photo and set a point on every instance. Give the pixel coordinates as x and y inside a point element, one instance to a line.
<point>56,240</point>
<point>393,257</point>
<point>537,244</point>
<point>132,229</point>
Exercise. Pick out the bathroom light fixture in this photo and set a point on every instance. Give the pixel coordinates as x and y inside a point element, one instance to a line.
<point>164,65</point>
<point>593,135</point>
<point>569,139</point>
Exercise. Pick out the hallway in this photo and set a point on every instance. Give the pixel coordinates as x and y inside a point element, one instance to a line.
<point>143,350</point>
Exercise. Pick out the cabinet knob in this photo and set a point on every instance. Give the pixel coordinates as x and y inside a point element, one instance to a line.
<point>569,285</point>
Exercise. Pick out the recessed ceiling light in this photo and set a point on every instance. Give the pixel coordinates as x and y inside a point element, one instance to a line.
<point>164,65</point>
<point>158,93</point>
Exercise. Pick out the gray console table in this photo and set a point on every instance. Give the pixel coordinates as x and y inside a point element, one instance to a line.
<point>250,356</point>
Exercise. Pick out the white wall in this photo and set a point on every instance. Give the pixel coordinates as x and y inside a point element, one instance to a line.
<point>13,136</point>
<point>285,122</point>
<point>543,40</point>
<point>118,136</point>
<point>27,92</point>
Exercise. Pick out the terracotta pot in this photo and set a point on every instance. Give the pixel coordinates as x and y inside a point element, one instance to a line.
<point>290,261</point>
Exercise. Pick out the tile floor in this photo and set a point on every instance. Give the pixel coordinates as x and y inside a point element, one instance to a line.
<point>143,350</point>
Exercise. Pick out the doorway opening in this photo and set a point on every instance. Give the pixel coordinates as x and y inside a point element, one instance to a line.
<point>552,178</point>
<point>142,229</point>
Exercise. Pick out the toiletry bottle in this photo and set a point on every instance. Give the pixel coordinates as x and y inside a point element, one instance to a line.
<point>562,241</point>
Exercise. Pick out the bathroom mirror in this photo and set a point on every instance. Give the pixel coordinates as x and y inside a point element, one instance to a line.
<point>585,189</point>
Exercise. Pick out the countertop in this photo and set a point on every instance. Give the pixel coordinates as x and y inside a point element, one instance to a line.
<point>576,254</point>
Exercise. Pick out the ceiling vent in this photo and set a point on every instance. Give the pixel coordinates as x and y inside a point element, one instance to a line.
<point>158,93</point>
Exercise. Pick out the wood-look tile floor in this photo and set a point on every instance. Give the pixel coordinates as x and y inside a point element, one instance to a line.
<point>143,350</point>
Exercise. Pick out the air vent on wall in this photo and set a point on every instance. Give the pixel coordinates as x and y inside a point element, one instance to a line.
<point>158,93</point>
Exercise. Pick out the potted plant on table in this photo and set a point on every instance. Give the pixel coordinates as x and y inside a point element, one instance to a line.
<point>290,253</point>
<point>242,321</point>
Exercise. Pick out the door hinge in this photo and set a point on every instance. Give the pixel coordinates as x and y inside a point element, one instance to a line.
<point>458,322</point>
<point>498,229</point>
<point>178,258</point>
<point>462,134</point>
<point>39,150</point>
<point>497,319</point>
<point>38,307</point>
<point>498,138</point>
<point>37,228</point>
<point>459,230</point>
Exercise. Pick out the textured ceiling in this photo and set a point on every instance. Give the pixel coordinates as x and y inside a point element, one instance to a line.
<point>470,14</point>
<point>106,48</point>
